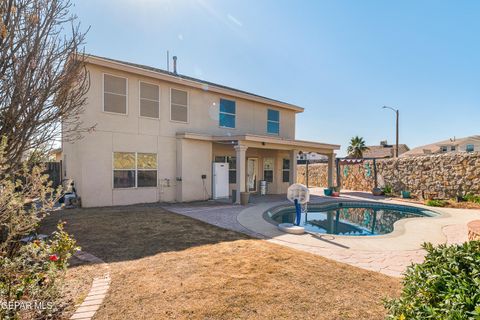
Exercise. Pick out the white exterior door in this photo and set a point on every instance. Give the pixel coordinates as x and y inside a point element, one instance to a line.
<point>220,180</point>
<point>252,174</point>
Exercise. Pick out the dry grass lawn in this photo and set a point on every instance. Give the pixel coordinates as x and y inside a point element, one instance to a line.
<point>167,266</point>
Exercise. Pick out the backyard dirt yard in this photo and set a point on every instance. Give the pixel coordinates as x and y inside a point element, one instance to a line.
<point>168,266</point>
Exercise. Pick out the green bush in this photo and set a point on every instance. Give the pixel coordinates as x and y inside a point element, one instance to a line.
<point>437,203</point>
<point>470,197</point>
<point>445,286</point>
<point>387,190</point>
<point>35,274</point>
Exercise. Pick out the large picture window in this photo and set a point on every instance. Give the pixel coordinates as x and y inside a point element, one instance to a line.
<point>227,113</point>
<point>114,94</point>
<point>273,121</point>
<point>286,170</point>
<point>178,105</point>
<point>268,169</point>
<point>132,170</point>
<point>149,100</point>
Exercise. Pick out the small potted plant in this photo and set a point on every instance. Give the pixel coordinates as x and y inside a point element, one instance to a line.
<point>406,194</point>
<point>328,192</point>
<point>336,192</point>
<point>377,191</point>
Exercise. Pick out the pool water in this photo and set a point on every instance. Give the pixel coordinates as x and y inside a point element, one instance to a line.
<point>352,219</point>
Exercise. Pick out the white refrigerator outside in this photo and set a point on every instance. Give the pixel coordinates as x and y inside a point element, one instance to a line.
<point>220,180</point>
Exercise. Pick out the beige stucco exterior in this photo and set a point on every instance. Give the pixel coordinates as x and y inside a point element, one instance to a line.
<point>182,160</point>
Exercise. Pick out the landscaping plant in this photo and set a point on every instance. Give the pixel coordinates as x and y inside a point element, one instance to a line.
<point>436,203</point>
<point>470,197</point>
<point>445,286</point>
<point>387,190</point>
<point>30,271</point>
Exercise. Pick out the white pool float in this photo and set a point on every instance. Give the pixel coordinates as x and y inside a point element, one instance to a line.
<point>291,228</point>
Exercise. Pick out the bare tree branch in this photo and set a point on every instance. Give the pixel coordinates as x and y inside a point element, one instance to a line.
<point>43,79</point>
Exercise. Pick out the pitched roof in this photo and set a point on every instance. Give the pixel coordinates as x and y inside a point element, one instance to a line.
<point>206,85</point>
<point>435,147</point>
<point>386,151</point>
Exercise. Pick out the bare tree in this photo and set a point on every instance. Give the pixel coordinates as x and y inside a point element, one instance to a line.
<point>43,79</point>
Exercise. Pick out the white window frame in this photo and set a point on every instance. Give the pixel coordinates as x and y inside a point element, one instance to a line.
<point>233,114</point>
<point>271,133</point>
<point>103,94</point>
<point>288,170</point>
<point>188,105</point>
<point>113,171</point>
<point>136,171</point>
<point>140,99</point>
<point>273,169</point>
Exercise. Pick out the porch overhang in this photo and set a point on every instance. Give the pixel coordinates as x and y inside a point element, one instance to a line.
<point>266,142</point>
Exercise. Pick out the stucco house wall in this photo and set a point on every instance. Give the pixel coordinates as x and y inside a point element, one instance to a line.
<point>181,163</point>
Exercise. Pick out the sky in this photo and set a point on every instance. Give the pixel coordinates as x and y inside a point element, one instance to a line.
<point>340,60</point>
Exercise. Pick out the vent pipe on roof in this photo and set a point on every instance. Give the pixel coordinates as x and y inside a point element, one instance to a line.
<point>175,64</point>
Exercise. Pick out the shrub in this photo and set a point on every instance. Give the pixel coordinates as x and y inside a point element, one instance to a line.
<point>470,197</point>
<point>387,190</point>
<point>445,286</point>
<point>437,203</point>
<point>34,275</point>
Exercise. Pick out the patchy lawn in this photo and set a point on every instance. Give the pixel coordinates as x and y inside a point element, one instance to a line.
<point>165,265</point>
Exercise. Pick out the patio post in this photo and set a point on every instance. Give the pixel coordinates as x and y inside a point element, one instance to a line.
<point>240,152</point>
<point>293,166</point>
<point>331,163</point>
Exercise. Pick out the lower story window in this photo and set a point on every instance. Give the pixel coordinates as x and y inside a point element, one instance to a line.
<point>268,169</point>
<point>132,170</point>
<point>232,167</point>
<point>286,170</point>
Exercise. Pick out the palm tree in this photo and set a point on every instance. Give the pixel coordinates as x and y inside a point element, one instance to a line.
<point>356,148</point>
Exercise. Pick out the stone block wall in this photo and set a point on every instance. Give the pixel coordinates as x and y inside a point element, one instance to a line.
<point>438,176</point>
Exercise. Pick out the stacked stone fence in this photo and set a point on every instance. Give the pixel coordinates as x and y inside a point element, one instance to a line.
<point>439,176</point>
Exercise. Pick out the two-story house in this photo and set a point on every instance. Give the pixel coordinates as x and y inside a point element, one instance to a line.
<point>157,134</point>
<point>466,144</point>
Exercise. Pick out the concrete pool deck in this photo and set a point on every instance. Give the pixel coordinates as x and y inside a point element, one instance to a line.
<point>389,254</point>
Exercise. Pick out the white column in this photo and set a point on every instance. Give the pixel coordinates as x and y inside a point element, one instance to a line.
<point>240,152</point>
<point>331,166</point>
<point>293,166</point>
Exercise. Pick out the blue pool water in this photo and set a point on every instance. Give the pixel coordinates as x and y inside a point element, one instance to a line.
<point>349,218</point>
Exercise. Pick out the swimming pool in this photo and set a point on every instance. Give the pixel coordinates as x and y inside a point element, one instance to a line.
<point>348,218</point>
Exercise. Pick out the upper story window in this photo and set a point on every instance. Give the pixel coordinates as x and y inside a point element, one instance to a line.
<point>227,113</point>
<point>149,100</point>
<point>443,149</point>
<point>273,121</point>
<point>114,94</point>
<point>178,105</point>
<point>453,148</point>
<point>469,148</point>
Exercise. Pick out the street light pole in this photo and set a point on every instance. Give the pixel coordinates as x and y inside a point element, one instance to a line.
<point>397,113</point>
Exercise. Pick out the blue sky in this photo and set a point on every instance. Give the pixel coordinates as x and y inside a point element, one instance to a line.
<point>341,60</point>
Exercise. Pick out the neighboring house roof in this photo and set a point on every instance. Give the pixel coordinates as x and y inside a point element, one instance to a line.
<point>384,151</point>
<point>435,147</point>
<point>187,80</point>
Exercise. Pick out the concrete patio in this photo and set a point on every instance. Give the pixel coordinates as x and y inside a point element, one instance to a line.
<point>389,254</point>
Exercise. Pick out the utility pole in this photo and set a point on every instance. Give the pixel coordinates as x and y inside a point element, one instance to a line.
<point>397,113</point>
